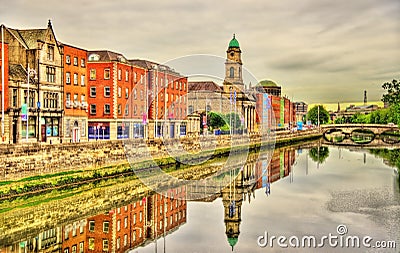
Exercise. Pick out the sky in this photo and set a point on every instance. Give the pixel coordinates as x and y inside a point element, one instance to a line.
<point>319,51</point>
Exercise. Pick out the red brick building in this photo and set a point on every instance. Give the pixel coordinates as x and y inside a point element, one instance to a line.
<point>75,94</point>
<point>116,98</point>
<point>166,100</point>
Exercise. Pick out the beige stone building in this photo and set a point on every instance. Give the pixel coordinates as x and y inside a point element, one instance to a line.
<point>35,50</point>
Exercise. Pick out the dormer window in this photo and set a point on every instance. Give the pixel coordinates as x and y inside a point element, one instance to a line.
<point>94,57</point>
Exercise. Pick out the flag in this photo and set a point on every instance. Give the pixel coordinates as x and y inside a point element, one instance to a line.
<point>231,97</point>
<point>235,97</point>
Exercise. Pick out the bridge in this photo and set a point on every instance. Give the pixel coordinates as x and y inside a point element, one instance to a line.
<point>362,134</point>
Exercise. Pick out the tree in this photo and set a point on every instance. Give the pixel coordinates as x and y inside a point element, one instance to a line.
<point>236,122</point>
<point>393,95</point>
<point>319,154</point>
<point>216,120</point>
<point>313,115</point>
<point>393,99</point>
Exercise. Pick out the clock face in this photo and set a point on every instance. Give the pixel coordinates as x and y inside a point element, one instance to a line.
<point>232,54</point>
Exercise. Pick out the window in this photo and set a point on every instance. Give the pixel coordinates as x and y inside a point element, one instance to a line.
<point>51,74</point>
<point>105,245</point>
<point>50,53</point>
<point>135,93</point>
<point>66,250</point>
<point>91,226</point>
<point>50,100</point>
<point>66,234</point>
<point>81,228</point>
<point>94,57</point>
<point>92,74</point>
<point>73,249</point>
<point>83,64</point>
<point>125,239</point>
<point>68,78</point>
<point>119,109</point>
<point>68,59</point>
<point>81,247</point>
<point>91,243</point>
<point>231,72</point>
<point>83,128</point>
<point>134,218</point>
<point>83,80</point>
<point>74,231</point>
<point>126,110</point>
<point>106,73</point>
<point>107,109</point>
<point>126,92</point>
<point>92,109</point>
<point>126,75</point>
<point>75,79</point>
<point>125,222</point>
<point>75,97</point>
<point>75,61</point>
<point>140,216</point>
<point>106,226</point>
<point>176,85</point>
<point>119,92</point>
<point>190,109</point>
<point>107,91</point>
<point>119,74</point>
<point>32,94</point>
<point>93,92</point>
<point>118,243</point>
<point>134,76</point>
<point>14,97</point>
<point>119,225</point>
<point>135,110</point>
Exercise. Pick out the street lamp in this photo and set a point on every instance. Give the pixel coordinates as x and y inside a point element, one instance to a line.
<point>30,72</point>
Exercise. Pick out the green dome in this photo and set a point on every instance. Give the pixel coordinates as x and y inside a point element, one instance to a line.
<point>232,241</point>
<point>268,83</point>
<point>234,42</point>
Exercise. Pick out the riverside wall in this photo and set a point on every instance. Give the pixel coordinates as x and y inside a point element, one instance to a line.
<point>22,160</point>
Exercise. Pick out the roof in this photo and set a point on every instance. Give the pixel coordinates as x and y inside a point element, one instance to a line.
<point>268,83</point>
<point>232,241</point>
<point>204,86</point>
<point>17,72</point>
<point>29,37</point>
<point>234,42</point>
<point>106,55</point>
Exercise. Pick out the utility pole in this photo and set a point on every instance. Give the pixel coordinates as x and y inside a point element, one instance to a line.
<point>2,81</point>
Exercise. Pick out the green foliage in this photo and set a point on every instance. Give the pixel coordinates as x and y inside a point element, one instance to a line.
<point>313,115</point>
<point>319,154</point>
<point>393,92</point>
<point>236,122</point>
<point>216,120</point>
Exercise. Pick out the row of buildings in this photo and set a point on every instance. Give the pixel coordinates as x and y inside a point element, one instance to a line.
<point>55,92</point>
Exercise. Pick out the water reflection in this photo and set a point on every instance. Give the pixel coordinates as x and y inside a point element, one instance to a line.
<point>148,223</point>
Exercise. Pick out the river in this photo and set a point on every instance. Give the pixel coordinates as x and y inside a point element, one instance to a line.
<point>306,200</point>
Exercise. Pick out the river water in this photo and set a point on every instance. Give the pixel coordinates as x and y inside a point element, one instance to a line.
<point>316,200</point>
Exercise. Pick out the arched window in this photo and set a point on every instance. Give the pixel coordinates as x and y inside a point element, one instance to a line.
<point>231,72</point>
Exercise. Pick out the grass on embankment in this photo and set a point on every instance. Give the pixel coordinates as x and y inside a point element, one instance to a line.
<point>43,184</point>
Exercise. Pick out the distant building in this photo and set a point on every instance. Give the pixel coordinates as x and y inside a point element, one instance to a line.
<point>301,111</point>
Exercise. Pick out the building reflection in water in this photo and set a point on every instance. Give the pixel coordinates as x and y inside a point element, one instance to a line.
<point>117,230</point>
<point>157,215</point>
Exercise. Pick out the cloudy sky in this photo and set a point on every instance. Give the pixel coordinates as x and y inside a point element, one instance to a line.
<point>317,50</point>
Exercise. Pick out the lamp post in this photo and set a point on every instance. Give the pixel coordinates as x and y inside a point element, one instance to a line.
<point>31,72</point>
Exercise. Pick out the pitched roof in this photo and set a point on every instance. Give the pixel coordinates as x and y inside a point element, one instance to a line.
<point>32,36</point>
<point>204,86</point>
<point>17,72</point>
<point>106,55</point>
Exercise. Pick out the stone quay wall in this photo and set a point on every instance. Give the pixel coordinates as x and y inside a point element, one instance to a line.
<point>22,160</point>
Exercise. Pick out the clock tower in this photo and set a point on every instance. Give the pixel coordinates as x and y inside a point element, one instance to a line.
<point>233,67</point>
